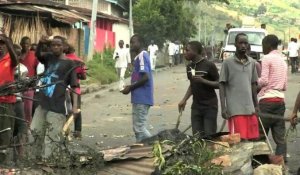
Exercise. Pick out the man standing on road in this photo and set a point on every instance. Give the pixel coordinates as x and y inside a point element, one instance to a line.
<point>273,83</point>
<point>8,62</point>
<point>141,88</point>
<point>153,49</point>
<point>171,52</point>
<point>238,91</point>
<point>50,114</point>
<point>203,76</point>
<point>293,49</point>
<point>122,57</point>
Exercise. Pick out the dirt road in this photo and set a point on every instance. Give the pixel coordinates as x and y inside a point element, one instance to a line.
<point>107,114</point>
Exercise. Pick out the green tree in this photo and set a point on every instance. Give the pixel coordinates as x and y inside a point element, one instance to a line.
<point>162,20</point>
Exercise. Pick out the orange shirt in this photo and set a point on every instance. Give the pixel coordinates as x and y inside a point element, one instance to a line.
<point>6,76</point>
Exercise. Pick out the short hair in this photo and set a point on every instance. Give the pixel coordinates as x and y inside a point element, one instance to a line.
<point>63,39</point>
<point>24,39</point>
<point>139,38</point>
<point>70,49</point>
<point>271,40</point>
<point>196,46</point>
<point>238,35</point>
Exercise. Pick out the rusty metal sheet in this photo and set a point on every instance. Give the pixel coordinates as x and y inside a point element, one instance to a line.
<point>142,166</point>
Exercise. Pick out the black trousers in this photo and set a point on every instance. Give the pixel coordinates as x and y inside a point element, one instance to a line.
<point>204,120</point>
<point>294,64</point>
<point>277,126</point>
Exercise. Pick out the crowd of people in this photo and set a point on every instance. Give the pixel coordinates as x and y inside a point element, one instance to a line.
<point>39,113</point>
<point>251,93</point>
<point>248,97</point>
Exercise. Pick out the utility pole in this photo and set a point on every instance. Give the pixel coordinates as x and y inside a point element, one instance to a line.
<point>130,19</point>
<point>92,30</point>
<point>66,2</point>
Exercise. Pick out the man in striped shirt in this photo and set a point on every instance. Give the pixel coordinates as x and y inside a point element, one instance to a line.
<point>273,83</point>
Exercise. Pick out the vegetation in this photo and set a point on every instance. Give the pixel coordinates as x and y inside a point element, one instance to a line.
<point>101,69</point>
<point>281,16</point>
<point>162,20</point>
<point>189,157</point>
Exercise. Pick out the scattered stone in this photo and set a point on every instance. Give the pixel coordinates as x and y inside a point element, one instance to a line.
<point>231,138</point>
<point>268,169</point>
<point>97,96</point>
<point>223,160</point>
<point>111,90</point>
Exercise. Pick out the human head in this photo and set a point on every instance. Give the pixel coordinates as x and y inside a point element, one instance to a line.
<point>33,47</point>
<point>269,43</point>
<point>57,46</point>
<point>263,26</point>
<point>65,42</point>
<point>241,43</point>
<point>71,49</point>
<point>152,42</point>
<point>121,43</point>
<point>136,43</point>
<point>25,43</point>
<point>193,50</point>
<point>127,45</point>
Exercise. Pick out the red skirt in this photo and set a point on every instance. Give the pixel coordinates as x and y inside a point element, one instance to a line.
<point>246,125</point>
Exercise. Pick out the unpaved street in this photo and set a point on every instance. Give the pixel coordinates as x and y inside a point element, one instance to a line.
<point>107,113</point>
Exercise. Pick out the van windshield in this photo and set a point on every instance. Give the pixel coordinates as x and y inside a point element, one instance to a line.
<point>254,38</point>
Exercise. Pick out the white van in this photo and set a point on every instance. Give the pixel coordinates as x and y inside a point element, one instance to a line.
<point>255,37</point>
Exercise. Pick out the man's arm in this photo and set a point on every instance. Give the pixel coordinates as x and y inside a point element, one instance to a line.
<point>12,53</point>
<point>10,49</point>
<point>265,70</point>
<point>254,94</point>
<point>40,55</point>
<point>222,94</point>
<point>187,95</point>
<point>139,83</point>
<point>213,73</point>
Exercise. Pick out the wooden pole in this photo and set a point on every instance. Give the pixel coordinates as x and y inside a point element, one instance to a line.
<point>92,30</point>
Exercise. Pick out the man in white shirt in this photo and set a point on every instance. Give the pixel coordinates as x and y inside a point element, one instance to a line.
<point>153,49</point>
<point>293,49</point>
<point>122,57</point>
<point>171,51</point>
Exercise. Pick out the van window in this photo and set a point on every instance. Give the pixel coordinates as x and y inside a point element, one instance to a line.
<point>254,38</point>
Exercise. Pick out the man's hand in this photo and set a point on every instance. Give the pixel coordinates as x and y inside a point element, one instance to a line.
<point>225,114</point>
<point>198,78</point>
<point>44,39</point>
<point>181,105</point>
<point>75,110</point>
<point>126,90</point>
<point>293,119</point>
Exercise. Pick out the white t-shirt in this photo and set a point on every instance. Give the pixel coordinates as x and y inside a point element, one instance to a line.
<point>171,48</point>
<point>293,49</point>
<point>122,57</point>
<point>152,50</point>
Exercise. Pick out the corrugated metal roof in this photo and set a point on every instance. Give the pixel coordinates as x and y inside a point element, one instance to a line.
<point>58,6</point>
<point>61,15</point>
<point>130,160</point>
<point>142,166</point>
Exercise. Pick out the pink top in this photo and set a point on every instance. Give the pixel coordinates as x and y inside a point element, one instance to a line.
<point>273,75</point>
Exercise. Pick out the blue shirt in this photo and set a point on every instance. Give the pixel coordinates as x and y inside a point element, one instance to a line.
<point>143,94</point>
